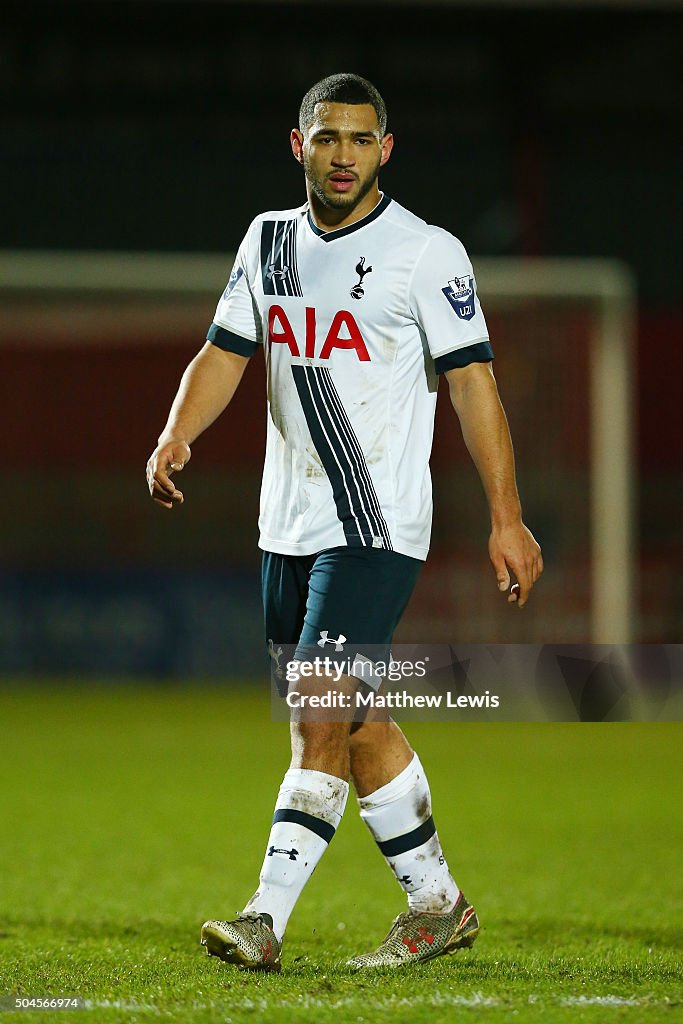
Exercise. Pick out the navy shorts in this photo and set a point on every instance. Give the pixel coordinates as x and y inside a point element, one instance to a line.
<point>356,593</point>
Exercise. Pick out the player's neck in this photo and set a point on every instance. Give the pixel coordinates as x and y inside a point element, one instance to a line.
<point>329,220</point>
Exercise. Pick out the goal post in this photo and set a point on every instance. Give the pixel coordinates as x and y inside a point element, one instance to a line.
<point>178,290</point>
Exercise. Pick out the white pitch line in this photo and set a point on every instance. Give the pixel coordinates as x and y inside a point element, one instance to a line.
<point>437,999</point>
<point>119,1004</point>
<point>605,1000</point>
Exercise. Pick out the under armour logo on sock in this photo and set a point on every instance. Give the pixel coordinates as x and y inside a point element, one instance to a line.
<point>406,879</point>
<point>292,854</point>
<point>338,643</point>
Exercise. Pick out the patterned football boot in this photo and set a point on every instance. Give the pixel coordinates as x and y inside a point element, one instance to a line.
<point>249,942</point>
<point>416,937</point>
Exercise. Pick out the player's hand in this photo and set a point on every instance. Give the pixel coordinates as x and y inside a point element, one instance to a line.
<point>166,460</point>
<point>514,548</point>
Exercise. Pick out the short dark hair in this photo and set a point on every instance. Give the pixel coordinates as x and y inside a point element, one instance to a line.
<point>343,88</point>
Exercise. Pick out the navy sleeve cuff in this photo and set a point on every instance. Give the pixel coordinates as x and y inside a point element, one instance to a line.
<point>482,352</point>
<point>230,342</point>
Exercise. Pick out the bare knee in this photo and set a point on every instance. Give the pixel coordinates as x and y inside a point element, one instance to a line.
<point>321,718</point>
<point>314,737</point>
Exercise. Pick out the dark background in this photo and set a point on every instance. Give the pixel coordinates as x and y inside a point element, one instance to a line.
<point>157,125</point>
<point>153,126</point>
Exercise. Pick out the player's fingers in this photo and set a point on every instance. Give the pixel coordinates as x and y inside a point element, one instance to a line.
<point>160,493</point>
<point>501,570</point>
<point>167,501</point>
<point>177,498</point>
<point>163,480</point>
<point>525,584</point>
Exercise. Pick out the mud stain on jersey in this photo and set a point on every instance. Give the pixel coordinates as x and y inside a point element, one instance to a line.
<point>314,468</point>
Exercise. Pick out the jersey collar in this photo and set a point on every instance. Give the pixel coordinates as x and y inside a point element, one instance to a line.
<point>329,236</point>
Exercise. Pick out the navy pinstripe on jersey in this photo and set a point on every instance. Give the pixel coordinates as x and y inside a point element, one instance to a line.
<point>338,414</point>
<point>355,498</point>
<point>279,271</point>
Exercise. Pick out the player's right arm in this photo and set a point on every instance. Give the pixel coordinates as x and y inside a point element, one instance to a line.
<point>206,388</point>
<point>211,379</point>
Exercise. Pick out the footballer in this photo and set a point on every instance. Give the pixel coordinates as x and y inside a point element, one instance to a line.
<point>359,307</point>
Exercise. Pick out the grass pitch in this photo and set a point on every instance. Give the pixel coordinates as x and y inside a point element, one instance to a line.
<point>129,815</point>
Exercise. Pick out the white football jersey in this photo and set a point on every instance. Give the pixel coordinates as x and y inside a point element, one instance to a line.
<point>355,325</point>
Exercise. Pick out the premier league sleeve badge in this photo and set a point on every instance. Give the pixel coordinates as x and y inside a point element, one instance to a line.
<point>460,294</point>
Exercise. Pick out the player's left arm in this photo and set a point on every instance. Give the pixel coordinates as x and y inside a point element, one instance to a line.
<point>512,546</point>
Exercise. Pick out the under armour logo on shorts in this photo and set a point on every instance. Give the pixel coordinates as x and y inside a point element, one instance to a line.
<point>338,643</point>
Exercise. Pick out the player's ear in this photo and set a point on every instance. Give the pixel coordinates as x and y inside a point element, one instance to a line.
<point>387,146</point>
<point>296,140</point>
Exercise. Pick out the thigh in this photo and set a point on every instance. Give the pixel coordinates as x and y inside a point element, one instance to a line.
<point>284,590</point>
<point>359,594</point>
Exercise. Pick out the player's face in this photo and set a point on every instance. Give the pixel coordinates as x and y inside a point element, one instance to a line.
<point>342,152</point>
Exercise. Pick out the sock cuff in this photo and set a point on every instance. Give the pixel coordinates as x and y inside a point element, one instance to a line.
<point>313,792</point>
<point>302,778</point>
<point>397,787</point>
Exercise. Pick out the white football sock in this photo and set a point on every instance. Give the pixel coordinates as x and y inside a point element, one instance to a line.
<point>399,815</point>
<point>309,807</point>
